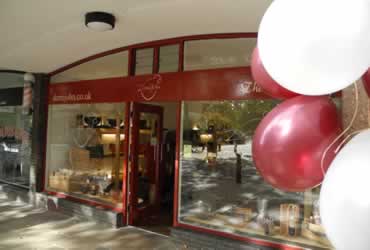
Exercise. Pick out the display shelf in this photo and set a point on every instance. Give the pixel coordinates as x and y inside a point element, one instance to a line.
<point>250,228</point>
<point>109,130</point>
<point>106,199</point>
<point>104,130</point>
<point>145,131</point>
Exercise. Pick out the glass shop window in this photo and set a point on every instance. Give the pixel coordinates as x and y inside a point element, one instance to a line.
<point>144,60</point>
<point>85,151</point>
<point>220,188</point>
<point>218,53</point>
<point>169,58</point>
<point>15,145</point>
<point>115,65</point>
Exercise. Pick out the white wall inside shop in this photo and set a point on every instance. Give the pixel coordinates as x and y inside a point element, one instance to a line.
<point>64,134</point>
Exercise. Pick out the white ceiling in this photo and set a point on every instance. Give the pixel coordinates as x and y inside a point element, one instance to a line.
<point>44,35</point>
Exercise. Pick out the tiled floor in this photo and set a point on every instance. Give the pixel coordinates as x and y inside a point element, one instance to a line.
<point>24,227</point>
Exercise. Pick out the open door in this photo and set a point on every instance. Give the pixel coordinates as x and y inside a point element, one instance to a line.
<point>144,195</point>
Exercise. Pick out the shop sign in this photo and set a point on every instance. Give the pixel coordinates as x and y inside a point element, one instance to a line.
<point>217,84</point>
<point>249,87</point>
<point>11,132</point>
<point>11,97</point>
<point>150,88</point>
<point>72,97</point>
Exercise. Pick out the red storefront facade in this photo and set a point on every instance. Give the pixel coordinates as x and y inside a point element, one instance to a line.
<point>106,145</point>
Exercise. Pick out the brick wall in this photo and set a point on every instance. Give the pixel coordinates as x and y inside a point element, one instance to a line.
<point>362,120</point>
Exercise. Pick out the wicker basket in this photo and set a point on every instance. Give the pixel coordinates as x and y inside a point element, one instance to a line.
<point>314,236</point>
<point>316,228</point>
<point>247,213</point>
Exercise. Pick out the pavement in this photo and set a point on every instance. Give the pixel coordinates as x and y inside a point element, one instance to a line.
<point>23,227</point>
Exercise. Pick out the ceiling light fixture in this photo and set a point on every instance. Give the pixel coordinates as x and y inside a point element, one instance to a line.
<point>99,21</point>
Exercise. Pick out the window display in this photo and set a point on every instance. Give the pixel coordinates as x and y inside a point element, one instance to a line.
<point>220,188</point>
<point>85,151</point>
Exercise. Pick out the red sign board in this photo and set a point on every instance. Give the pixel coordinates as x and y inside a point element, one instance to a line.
<point>218,84</point>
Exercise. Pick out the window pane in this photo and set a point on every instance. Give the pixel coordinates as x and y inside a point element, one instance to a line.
<point>144,61</point>
<point>220,187</point>
<point>85,151</point>
<point>169,58</point>
<point>115,65</point>
<point>218,53</point>
<point>15,145</point>
<point>11,80</point>
<point>15,130</point>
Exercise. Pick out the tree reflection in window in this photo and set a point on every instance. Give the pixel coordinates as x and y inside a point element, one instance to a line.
<point>222,190</point>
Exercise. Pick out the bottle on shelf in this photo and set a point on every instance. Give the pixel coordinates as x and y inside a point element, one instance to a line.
<point>292,226</point>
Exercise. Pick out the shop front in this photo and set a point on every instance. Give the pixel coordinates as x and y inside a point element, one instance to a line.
<point>161,132</point>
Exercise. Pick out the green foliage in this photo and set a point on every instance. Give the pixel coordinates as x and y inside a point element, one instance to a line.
<point>240,116</point>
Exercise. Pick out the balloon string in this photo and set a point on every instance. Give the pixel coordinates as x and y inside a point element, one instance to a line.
<point>344,131</point>
<point>348,137</point>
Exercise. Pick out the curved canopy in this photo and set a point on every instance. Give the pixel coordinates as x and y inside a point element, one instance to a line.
<point>44,35</point>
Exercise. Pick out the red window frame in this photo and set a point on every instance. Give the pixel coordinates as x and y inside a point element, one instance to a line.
<point>178,224</point>
<point>155,44</point>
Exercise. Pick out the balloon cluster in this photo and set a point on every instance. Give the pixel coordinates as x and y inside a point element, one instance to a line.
<point>290,141</point>
<point>307,50</point>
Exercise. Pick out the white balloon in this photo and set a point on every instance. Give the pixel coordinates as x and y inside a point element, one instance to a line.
<point>344,197</point>
<point>315,47</point>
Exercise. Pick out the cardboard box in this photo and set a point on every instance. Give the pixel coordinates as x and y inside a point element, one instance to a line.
<point>79,159</point>
<point>63,183</point>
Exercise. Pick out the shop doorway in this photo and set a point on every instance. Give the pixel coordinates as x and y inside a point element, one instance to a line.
<point>152,163</point>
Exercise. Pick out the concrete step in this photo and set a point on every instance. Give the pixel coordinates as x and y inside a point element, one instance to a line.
<point>98,214</point>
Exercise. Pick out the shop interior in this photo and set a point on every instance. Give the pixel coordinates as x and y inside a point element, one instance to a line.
<point>85,151</point>
<point>155,165</point>
<point>86,155</point>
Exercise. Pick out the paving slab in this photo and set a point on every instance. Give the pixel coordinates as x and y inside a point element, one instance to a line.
<point>23,227</point>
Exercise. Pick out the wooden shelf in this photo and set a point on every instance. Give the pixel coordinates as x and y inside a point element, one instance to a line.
<point>145,131</point>
<point>109,130</point>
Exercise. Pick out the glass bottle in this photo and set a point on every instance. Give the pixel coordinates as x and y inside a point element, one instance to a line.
<point>292,226</point>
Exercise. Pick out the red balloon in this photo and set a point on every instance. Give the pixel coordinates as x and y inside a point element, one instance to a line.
<point>290,141</point>
<point>366,81</point>
<point>264,80</point>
